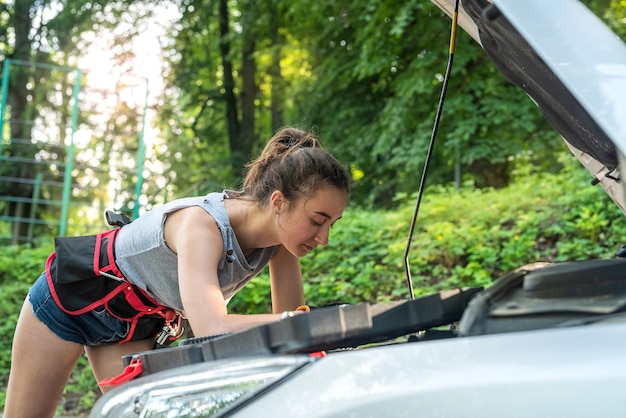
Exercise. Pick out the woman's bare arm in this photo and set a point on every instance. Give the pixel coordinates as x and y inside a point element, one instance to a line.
<point>195,237</point>
<point>286,281</point>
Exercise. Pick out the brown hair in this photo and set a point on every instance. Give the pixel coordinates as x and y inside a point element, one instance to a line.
<point>295,163</point>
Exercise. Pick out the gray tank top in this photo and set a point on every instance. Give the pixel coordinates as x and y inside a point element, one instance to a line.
<point>145,260</point>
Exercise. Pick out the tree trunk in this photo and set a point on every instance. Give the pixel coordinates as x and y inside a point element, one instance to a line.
<point>490,174</point>
<point>248,95</point>
<point>277,99</point>
<point>20,126</point>
<point>232,117</point>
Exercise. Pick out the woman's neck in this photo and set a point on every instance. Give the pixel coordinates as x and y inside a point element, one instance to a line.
<point>254,226</point>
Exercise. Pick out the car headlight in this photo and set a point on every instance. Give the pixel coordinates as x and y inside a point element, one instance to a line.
<point>197,390</point>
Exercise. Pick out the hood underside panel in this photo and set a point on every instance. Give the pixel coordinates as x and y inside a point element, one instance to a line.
<point>519,63</point>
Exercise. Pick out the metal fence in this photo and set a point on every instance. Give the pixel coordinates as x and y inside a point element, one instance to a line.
<point>67,152</point>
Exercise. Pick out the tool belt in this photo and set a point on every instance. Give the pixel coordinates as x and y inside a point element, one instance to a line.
<point>82,276</point>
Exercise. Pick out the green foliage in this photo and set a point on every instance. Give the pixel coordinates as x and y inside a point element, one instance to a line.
<point>377,78</point>
<point>52,37</point>
<point>367,74</point>
<point>19,268</point>
<point>22,264</point>
<point>81,391</point>
<point>13,295</point>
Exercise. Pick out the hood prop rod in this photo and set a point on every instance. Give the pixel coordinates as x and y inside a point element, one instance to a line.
<point>431,146</point>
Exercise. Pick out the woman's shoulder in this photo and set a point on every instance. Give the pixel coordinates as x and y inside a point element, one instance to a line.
<point>206,201</point>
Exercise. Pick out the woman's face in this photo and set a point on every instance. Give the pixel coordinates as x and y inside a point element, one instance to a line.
<point>307,225</point>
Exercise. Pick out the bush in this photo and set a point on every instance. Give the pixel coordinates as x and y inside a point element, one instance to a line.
<point>19,268</point>
<point>464,237</point>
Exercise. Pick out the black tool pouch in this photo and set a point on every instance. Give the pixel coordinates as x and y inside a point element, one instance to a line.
<point>82,275</point>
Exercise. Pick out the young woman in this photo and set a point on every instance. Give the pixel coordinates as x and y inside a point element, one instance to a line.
<point>117,293</point>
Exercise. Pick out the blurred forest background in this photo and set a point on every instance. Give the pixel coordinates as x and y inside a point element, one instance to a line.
<point>365,75</point>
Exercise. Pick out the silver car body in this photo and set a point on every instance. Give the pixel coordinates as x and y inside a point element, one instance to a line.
<point>576,372</point>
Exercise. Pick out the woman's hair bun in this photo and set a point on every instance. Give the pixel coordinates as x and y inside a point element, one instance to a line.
<point>294,162</point>
<point>291,138</point>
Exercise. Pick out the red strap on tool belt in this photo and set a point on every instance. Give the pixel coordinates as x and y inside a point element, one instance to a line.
<point>133,370</point>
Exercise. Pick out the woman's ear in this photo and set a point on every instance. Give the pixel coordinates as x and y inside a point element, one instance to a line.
<point>277,202</point>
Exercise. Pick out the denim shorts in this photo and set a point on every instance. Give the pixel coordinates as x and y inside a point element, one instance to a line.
<point>96,327</point>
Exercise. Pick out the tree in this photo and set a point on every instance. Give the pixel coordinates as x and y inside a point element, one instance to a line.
<point>215,107</point>
<point>366,75</point>
<point>377,78</point>
<point>19,19</point>
<point>39,36</point>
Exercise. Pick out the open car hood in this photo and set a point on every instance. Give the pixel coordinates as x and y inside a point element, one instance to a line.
<point>579,86</point>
